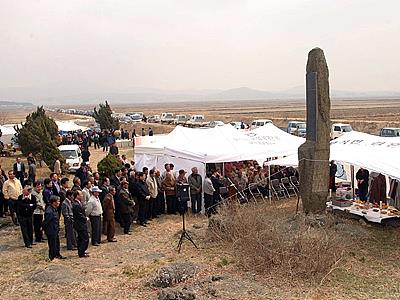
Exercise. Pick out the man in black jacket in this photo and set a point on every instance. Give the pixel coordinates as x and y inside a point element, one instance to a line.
<point>19,169</point>
<point>126,206</point>
<point>143,197</point>
<point>51,226</point>
<point>80,224</point>
<point>26,204</point>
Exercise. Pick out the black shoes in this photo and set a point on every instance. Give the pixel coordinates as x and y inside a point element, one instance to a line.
<point>60,257</point>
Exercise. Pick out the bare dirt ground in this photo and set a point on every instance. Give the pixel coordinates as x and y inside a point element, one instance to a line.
<point>122,270</point>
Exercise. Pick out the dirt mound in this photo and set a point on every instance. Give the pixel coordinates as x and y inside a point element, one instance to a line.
<point>174,274</point>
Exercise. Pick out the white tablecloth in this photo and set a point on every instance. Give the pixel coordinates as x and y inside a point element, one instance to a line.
<point>371,215</point>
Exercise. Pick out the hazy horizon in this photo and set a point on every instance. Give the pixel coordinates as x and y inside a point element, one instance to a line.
<point>83,47</point>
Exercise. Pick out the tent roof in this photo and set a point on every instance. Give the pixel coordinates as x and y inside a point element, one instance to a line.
<point>70,126</point>
<point>8,130</point>
<point>375,153</point>
<point>222,144</point>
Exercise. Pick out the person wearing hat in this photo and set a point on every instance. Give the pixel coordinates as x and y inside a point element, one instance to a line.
<point>94,211</point>
<point>26,205</point>
<point>51,226</point>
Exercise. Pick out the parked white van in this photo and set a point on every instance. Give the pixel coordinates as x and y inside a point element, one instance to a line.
<point>72,155</point>
<point>338,129</point>
<point>259,123</point>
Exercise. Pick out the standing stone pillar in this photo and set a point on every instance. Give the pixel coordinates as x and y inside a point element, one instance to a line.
<point>314,153</point>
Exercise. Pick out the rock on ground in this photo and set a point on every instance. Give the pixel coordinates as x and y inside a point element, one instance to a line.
<point>52,274</point>
<point>173,274</point>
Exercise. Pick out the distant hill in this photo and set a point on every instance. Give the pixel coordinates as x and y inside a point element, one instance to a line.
<point>91,93</point>
<point>14,103</point>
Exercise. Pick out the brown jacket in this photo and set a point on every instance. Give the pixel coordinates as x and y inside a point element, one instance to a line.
<point>108,207</point>
<point>169,184</point>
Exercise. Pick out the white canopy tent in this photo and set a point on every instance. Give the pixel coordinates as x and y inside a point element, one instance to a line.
<point>187,147</point>
<point>8,133</point>
<point>69,126</point>
<point>378,154</point>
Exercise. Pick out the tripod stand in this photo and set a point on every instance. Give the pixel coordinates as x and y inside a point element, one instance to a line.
<point>184,235</point>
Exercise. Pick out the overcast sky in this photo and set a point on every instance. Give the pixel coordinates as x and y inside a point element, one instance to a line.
<point>203,44</point>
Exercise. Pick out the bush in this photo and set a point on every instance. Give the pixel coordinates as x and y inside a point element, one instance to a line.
<point>265,240</point>
<point>109,165</point>
<point>104,118</point>
<point>38,135</point>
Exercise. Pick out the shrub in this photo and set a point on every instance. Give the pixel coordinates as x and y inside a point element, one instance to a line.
<point>265,240</point>
<point>109,165</point>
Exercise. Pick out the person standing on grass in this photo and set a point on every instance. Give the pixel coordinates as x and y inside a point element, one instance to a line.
<point>80,224</point>
<point>26,205</point>
<point>39,212</point>
<point>195,183</point>
<point>3,201</point>
<point>48,191</point>
<point>208,190</point>
<point>19,169</point>
<point>66,210</point>
<point>94,212</point>
<point>109,215</point>
<point>57,167</point>
<point>169,186</point>
<point>51,226</point>
<point>12,188</point>
<point>126,204</point>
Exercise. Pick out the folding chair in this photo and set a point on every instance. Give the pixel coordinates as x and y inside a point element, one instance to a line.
<point>295,182</point>
<point>278,189</point>
<point>288,186</point>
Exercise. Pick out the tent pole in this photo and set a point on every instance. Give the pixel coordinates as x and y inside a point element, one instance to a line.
<point>352,180</point>
<point>269,183</point>
<point>223,169</point>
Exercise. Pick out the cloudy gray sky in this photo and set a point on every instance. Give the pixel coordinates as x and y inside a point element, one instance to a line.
<point>207,44</point>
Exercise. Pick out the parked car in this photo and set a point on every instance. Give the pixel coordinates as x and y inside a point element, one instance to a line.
<point>154,119</point>
<point>215,124</point>
<point>125,120</point>
<point>72,155</point>
<point>196,121</point>
<point>338,129</point>
<point>239,125</point>
<point>180,119</point>
<point>389,132</point>
<point>297,128</point>
<point>136,116</point>
<point>167,118</point>
<point>259,123</point>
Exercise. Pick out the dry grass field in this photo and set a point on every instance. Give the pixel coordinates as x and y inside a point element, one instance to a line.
<point>369,267</point>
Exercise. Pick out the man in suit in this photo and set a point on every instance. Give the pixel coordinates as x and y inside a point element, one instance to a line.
<point>126,206</point>
<point>143,197</point>
<point>26,205</point>
<point>19,169</point>
<point>66,209</point>
<point>51,226</point>
<point>80,224</point>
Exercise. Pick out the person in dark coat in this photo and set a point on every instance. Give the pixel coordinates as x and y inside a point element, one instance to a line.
<point>126,206</point>
<point>66,209</point>
<point>332,174</point>
<point>19,169</point>
<point>48,191</point>
<point>362,177</point>
<point>82,173</point>
<point>51,226</point>
<point>80,224</point>
<point>26,204</point>
<point>85,155</point>
<point>143,197</point>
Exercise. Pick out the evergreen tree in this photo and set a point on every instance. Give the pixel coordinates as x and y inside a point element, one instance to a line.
<point>38,135</point>
<point>109,165</point>
<point>104,117</point>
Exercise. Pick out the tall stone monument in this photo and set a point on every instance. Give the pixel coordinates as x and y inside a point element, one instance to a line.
<point>314,153</point>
